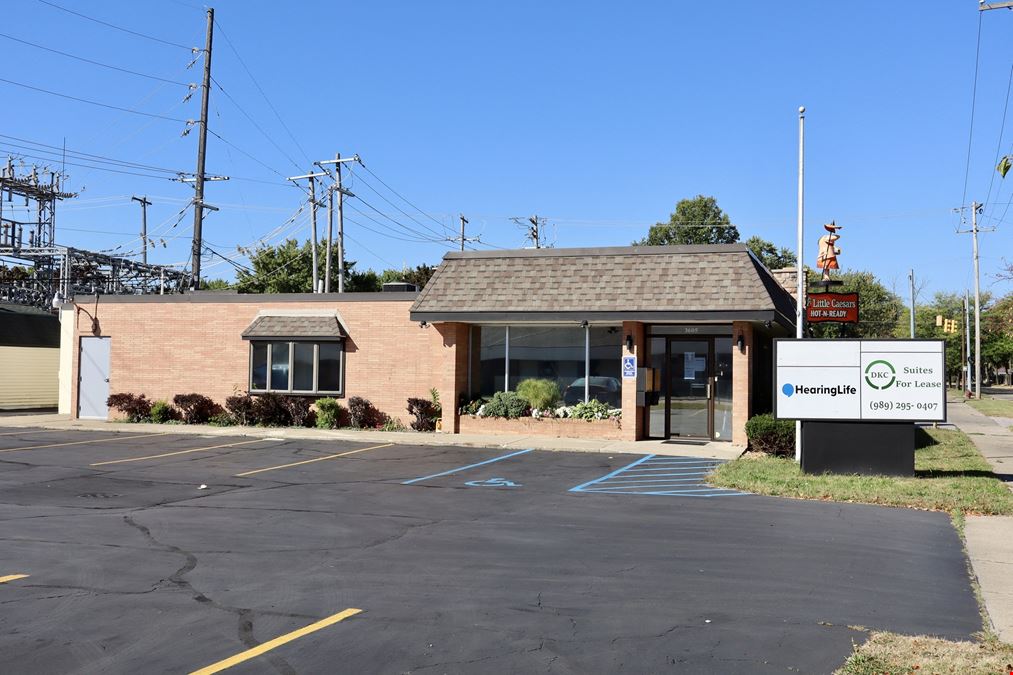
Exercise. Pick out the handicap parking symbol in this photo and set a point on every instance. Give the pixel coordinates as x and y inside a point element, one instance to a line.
<point>493,482</point>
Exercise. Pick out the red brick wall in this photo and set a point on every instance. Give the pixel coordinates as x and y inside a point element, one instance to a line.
<point>165,348</point>
<point>557,428</point>
<point>742,380</point>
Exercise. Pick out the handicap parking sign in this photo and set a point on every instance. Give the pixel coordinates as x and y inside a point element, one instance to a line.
<point>629,367</point>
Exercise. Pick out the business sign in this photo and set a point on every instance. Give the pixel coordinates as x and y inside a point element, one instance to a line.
<point>837,307</point>
<point>629,367</point>
<point>860,380</point>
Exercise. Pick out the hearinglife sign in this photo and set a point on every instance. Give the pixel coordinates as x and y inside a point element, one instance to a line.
<point>860,380</point>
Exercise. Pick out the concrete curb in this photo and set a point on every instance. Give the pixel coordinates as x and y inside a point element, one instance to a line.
<point>712,450</point>
<point>989,539</point>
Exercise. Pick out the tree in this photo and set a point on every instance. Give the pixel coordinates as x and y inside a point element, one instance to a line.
<point>771,256</point>
<point>288,268</point>
<point>214,285</point>
<point>997,336</point>
<point>695,221</point>
<point>879,309</point>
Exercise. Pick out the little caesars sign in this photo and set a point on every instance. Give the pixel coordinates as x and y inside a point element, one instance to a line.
<point>860,380</point>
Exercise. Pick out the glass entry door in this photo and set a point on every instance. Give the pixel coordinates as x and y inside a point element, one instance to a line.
<point>693,396</point>
<point>689,389</point>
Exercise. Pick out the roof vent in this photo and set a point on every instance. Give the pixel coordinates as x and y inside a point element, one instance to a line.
<point>400,287</point>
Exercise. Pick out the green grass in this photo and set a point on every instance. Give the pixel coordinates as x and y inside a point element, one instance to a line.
<point>994,407</point>
<point>950,475</point>
<point>893,653</point>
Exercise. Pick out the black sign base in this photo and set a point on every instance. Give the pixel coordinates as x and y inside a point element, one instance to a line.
<point>867,448</point>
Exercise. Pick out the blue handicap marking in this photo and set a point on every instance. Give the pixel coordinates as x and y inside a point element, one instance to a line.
<point>492,482</point>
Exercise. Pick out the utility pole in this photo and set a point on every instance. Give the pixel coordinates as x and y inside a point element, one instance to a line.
<point>313,221</point>
<point>330,234</point>
<point>977,301</point>
<point>976,208</point>
<point>464,221</point>
<point>342,193</point>
<point>143,201</point>
<point>313,231</point>
<point>967,342</point>
<point>911,278</point>
<point>202,145</point>
<point>800,271</point>
<point>533,230</point>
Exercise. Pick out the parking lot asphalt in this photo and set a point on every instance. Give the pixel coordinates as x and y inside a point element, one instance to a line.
<point>172,553</point>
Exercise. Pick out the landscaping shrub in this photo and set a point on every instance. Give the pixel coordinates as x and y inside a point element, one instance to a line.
<point>136,408</point>
<point>162,412</point>
<point>298,410</point>
<point>472,407</point>
<point>774,437</point>
<point>196,408</point>
<point>364,414</point>
<point>392,424</point>
<point>506,404</point>
<point>331,414</point>
<point>592,410</point>
<point>222,419</point>
<point>240,407</point>
<point>426,413</point>
<point>540,394</point>
<point>271,410</point>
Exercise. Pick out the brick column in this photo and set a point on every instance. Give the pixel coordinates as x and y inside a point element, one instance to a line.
<point>453,377</point>
<point>742,380</point>
<point>633,416</point>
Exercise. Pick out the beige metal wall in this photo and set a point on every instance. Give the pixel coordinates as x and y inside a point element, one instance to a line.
<point>29,377</point>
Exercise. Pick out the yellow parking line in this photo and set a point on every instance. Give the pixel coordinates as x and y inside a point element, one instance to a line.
<point>178,452</point>
<point>310,461</point>
<point>276,642</point>
<point>37,431</point>
<point>12,577</point>
<point>94,440</point>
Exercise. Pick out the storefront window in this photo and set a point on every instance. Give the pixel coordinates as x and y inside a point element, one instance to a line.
<point>279,365</point>
<point>555,354</point>
<point>606,364</point>
<point>490,341</point>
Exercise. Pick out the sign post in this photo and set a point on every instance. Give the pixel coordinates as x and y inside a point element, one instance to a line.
<point>858,400</point>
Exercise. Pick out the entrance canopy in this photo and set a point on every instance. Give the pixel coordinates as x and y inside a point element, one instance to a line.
<point>713,283</point>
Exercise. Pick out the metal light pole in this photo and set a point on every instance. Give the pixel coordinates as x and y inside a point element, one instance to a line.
<point>911,278</point>
<point>800,272</point>
<point>977,302</point>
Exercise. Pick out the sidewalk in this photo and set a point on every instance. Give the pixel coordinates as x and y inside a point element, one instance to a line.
<point>712,450</point>
<point>990,538</point>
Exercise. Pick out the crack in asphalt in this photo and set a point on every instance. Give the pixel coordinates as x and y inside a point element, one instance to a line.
<point>244,615</point>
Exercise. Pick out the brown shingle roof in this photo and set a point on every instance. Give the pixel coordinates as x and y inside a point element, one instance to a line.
<point>621,282</point>
<point>294,327</point>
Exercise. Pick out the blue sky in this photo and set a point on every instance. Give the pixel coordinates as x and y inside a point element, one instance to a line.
<point>598,116</point>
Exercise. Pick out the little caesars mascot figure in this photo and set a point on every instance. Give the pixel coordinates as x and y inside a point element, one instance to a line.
<point>827,259</point>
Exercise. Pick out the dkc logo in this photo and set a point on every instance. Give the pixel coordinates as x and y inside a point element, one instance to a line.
<point>880,374</point>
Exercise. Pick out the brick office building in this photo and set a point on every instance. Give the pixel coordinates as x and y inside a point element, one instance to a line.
<point>697,320</point>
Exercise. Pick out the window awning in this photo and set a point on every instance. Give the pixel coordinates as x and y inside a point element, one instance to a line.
<point>320,328</point>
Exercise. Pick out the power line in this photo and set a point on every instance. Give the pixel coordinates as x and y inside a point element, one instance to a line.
<point>84,166</point>
<point>114,26</point>
<point>401,196</point>
<point>261,90</point>
<point>421,236</point>
<point>94,63</point>
<point>90,102</point>
<point>974,97</point>
<point>402,211</point>
<point>998,145</point>
<point>254,123</point>
<point>60,151</point>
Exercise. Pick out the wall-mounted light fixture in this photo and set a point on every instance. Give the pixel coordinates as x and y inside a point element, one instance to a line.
<point>583,324</point>
<point>424,324</point>
<point>629,343</point>
<point>741,342</point>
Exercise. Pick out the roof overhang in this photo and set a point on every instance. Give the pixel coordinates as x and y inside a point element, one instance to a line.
<point>296,326</point>
<point>689,316</point>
